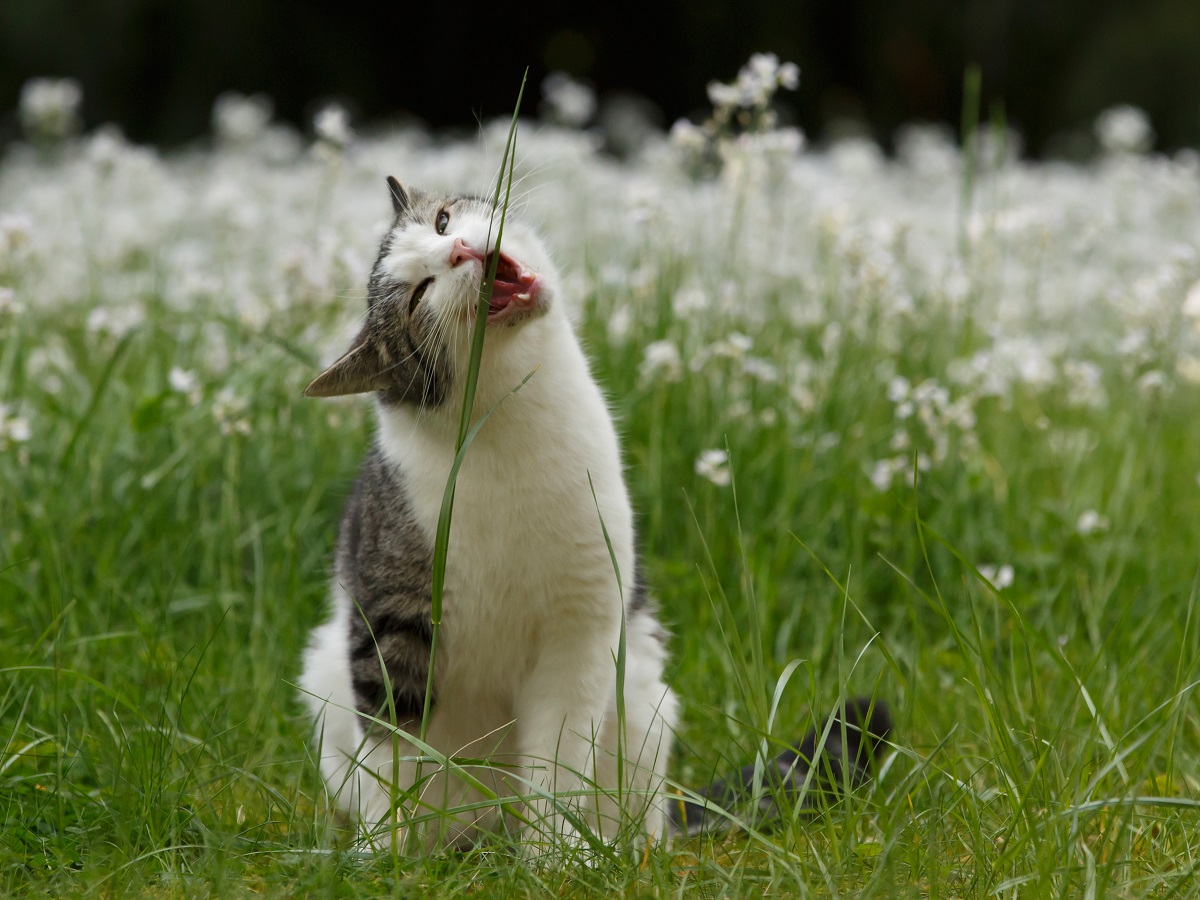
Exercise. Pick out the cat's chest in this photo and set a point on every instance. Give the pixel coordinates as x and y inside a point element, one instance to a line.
<point>525,527</point>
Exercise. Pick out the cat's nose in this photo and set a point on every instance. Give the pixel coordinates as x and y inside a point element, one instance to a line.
<point>462,251</point>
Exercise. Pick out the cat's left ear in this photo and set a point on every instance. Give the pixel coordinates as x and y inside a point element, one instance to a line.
<point>401,201</point>
<point>360,370</point>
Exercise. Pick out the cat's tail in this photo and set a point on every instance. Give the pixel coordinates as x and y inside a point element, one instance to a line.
<point>845,760</point>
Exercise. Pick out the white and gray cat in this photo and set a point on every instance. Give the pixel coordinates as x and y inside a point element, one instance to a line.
<point>525,681</point>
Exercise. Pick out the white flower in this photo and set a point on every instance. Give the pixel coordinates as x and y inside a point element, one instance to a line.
<point>185,381</point>
<point>1084,387</point>
<point>714,465</point>
<point>723,95</point>
<point>884,472</point>
<point>49,107</point>
<point>661,362</point>
<point>1091,522</point>
<point>239,119</point>
<point>1152,381</point>
<point>999,577</point>
<point>117,321</point>
<point>689,301</point>
<point>227,410</point>
<point>760,370</point>
<point>1191,302</point>
<point>688,138</point>
<point>332,125</point>
<point>619,325</point>
<point>8,303</point>
<point>13,429</point>
<point>182,380</point>
<point>568,102</point>
<point>1124,129</point>
<point>789,76</point>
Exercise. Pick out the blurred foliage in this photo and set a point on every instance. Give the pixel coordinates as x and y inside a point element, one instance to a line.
<point>155,67</point>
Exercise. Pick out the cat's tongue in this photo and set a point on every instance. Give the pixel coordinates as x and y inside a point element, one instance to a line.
<point>514,290</point>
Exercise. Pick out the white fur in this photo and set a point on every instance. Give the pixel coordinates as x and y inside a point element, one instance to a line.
<point>526,671</point>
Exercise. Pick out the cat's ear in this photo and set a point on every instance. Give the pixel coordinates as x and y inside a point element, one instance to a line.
<point>360,370</point>
<point>401,201</point>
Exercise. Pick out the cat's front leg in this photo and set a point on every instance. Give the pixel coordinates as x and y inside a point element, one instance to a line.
<point>560,713</point>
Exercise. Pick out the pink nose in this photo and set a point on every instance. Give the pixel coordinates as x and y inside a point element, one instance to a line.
<point>462,251</point>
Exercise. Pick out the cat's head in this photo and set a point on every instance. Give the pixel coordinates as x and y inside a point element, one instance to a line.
<point>423,295</point>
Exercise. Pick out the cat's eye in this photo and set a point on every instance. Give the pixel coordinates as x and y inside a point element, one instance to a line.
<point>443,220</point>
<point>417,294</point>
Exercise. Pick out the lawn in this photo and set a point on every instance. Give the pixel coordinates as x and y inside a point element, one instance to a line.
<point>924,424</point>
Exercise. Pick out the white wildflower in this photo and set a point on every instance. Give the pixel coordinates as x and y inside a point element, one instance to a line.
<point>115,321</point>
<point>688,138</point>
<point>688,301</point>
<point>49,107</point>
<point>1187,367</point>
<point>14,237</point>
<point>228,409</point>
<point>760,369</point>
<point>186,382</point>
<point>884,472</point>
<point>856,157</point>
<point>661,362</point>
<point>332,126</point>
<point>999,577</point>
<point>13,429</point>
<point>898,388</point>
<point>1084,386</point>
<point>803,397</point>
<point>238,119</point>
<point>788,76</point>
<point>714,465</point>
<point>567,101</point>
<point>739,344</point>
<point>724,95</point>
<point>1191,303</point>
<point>1124,129</point>
<point>1152,382</point>
<point>8,303</point>
<point>1091,522</point>
<point>620,323</point>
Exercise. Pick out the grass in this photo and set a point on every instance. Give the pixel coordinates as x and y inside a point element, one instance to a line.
<point>158,578</point>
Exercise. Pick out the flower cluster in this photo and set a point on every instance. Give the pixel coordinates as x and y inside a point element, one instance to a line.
<point>927,424</point>
<point>762,287</point>
<point>743,123</point>
<point>49,108</point>
<point>229,412</point>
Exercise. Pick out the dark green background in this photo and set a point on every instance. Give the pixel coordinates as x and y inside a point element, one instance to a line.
<point>155,66</point>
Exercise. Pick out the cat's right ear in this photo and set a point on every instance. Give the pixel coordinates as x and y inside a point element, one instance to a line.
<point>400,198</point>
<point>360,370</point>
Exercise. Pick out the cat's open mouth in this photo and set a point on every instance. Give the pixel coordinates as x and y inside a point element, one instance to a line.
<point>515,289</point>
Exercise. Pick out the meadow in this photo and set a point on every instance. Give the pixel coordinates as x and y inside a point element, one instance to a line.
<point>920,426</point>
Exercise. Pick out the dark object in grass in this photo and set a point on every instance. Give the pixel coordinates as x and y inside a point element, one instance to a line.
<point>845,761</point>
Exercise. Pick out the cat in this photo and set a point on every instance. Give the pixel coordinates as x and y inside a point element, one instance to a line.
<point>534,607</point>
<point>542,580</point>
